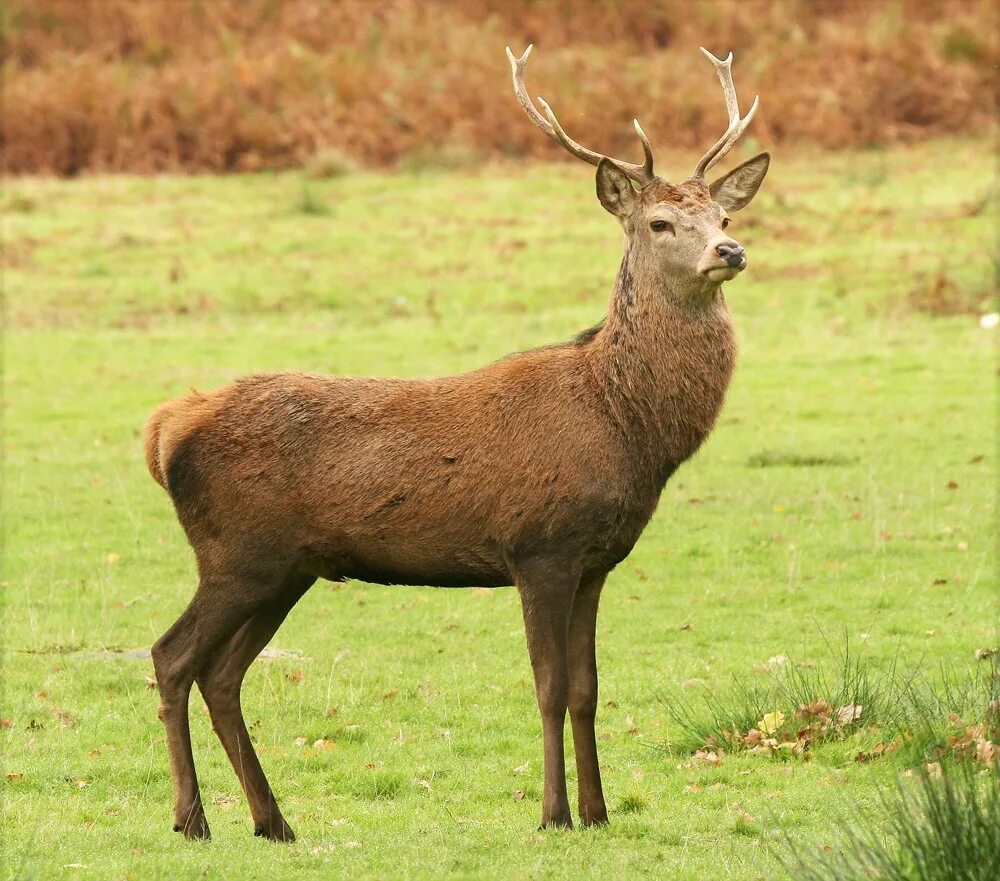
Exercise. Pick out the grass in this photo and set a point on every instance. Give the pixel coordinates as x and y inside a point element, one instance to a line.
<point>398,724</point>
<point>941,826</point>
<point>850,704</point>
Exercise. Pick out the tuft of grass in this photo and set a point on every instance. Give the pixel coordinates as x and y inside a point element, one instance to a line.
<point>442,157</point>
<point>330,162</point>
<point>309,202</point>
<point>632,803</point>
<point>939,824</point>
<point>879,709</point>
<point>779,458</point>
<point>942,295</point>
<point>20,203</point>
<point>745,826</point>
<point>378,785</point>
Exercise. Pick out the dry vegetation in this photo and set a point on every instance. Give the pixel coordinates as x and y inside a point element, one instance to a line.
<point>151,85</point>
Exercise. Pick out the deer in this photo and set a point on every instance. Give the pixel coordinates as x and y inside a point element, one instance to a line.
<point>540,471</point>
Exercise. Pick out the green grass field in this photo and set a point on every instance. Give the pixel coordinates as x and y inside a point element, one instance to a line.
<point>847,493</point>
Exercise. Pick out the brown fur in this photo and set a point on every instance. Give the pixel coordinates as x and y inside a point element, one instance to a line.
<point>539,470</point>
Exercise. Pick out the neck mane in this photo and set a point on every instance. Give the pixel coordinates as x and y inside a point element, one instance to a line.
<point>664,358</point>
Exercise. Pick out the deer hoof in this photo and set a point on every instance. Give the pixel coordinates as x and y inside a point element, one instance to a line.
<point>275,830</point>
<point>195,829</point>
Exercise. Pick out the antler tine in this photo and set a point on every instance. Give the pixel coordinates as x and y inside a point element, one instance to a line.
<point>517,72</point>
<point>736,125</point>
<point>646,149</point>
<point>641,174</point>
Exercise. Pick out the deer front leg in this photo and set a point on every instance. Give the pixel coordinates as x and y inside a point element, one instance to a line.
<point>583,699</point>
<point>546,601</point>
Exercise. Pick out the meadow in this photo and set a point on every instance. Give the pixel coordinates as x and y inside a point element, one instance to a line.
<point>844,500</point>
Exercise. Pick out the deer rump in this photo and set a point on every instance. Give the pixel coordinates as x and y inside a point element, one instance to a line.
<point>448,482</point>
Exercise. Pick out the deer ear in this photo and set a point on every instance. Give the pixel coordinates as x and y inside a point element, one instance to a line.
<point>736,189</point>
<point>614,189</point>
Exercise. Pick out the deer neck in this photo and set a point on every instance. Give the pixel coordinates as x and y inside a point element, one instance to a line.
<point>664,358</point>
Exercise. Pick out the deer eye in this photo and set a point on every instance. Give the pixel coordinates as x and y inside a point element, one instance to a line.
<point>725,222</point>
<point>661,225</point>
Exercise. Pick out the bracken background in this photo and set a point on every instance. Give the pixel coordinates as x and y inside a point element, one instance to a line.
<point>232,85</point>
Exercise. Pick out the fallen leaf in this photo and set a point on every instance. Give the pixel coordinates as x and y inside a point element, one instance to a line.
<point>951,484</point>
<point>849,714</point>
<point>518,794</point>
<point>709,757</point>
<point>391,693</point>
<point>933,770</point>
<point>111,559</point>
<point>981,655</point>
<point>81,784</point>
<point>16,776</point>
<point>986,751</point>
<point>521,769</point>
<point>324,744</point>
<point>692,788</point>
<point>295,675</point>
<point>299,741</point>
<point>771,722</point>
<point>9,723</point>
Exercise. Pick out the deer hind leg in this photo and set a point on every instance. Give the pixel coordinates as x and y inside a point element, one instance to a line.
<point>546,601</point>
<point>583,699</point>
<point>220,682</point>
<point>218,609</point>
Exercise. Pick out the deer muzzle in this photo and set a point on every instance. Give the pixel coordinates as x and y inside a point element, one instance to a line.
<point>732,255</point>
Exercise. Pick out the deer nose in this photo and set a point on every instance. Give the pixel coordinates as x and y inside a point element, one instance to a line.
<point>734,255</point>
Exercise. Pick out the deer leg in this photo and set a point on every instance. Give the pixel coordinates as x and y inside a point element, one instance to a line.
<point>546,601</point>
<point>215,612</point>
<point>220,683</point>
<point>583,699</point>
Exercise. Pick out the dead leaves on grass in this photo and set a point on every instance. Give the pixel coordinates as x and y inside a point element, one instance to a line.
<point>777,733</point>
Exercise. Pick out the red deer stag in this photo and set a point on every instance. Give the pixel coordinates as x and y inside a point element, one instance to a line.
<point>540,470</point>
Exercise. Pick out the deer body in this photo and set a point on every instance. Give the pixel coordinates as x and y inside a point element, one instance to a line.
<point>562,450</point>
<point>540,470</point>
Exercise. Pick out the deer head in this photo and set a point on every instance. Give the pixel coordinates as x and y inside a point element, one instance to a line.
<point>679,230</point>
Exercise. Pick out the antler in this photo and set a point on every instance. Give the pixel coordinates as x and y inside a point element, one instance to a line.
<point>641,174</point>
<point>736,125</point>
